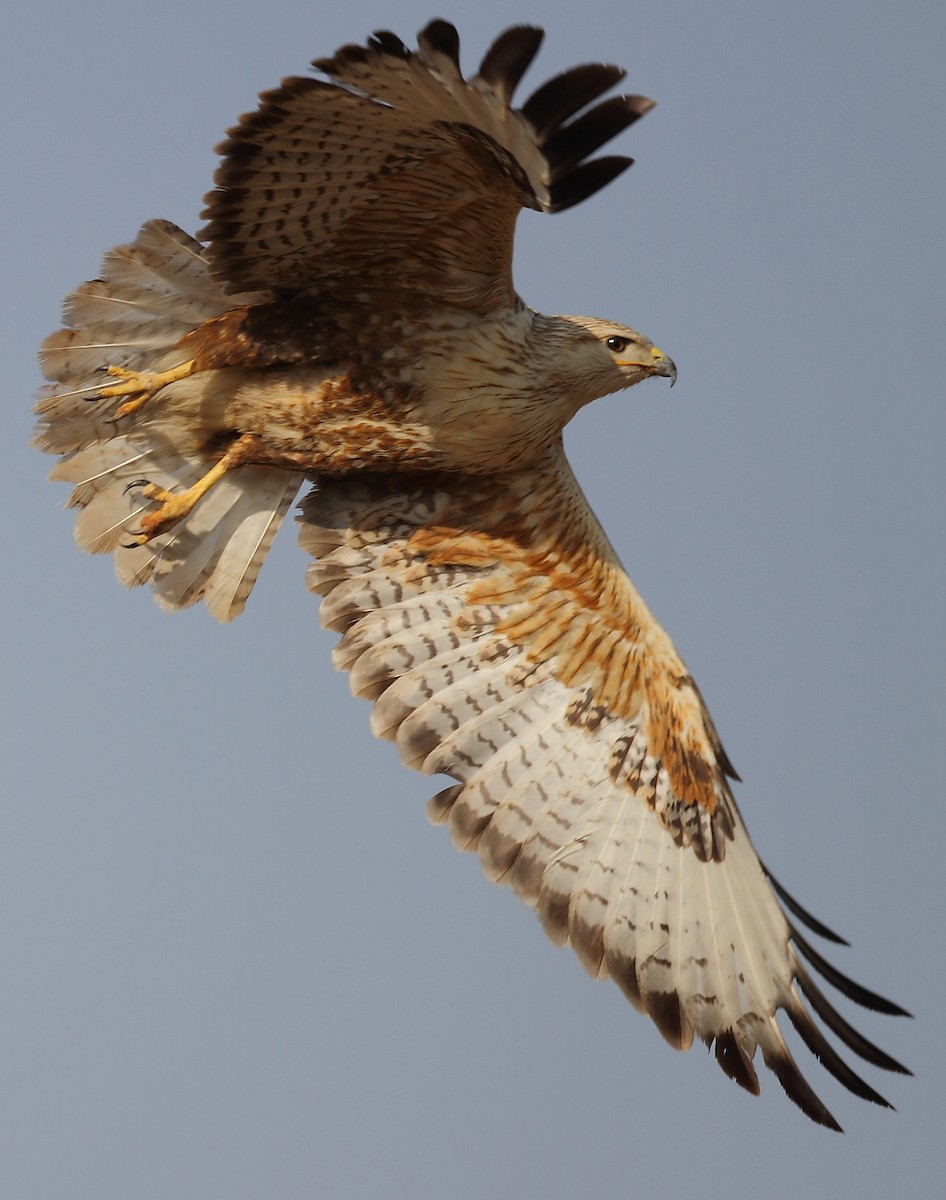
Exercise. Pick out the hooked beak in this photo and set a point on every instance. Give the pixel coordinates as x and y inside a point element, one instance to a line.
<point>664,365</point>
<point>660,364</point>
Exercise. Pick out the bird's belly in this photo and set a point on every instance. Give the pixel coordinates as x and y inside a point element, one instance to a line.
<point>308,419</point>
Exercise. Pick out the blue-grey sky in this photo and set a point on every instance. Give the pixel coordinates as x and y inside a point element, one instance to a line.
<point>237,962</point>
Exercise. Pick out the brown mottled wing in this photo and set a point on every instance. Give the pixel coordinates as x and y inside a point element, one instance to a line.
<point>400,174</point>
<point>503,645</point>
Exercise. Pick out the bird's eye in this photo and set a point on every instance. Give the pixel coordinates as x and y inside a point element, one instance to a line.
<point>617,344</point>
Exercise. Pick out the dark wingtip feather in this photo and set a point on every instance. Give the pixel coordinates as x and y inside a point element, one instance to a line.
<point>846,986</point>
<point>802,914</point>
<point>560,98</point>
<point>572,143</point>
<point>847,1033</point>
<point>799,1091</point>
<point>507,60</point>
<point>584,180</point>
<point>735,1062</point>
<point>386,42</point>
<point>440,37</point>
<point>829,1058</point>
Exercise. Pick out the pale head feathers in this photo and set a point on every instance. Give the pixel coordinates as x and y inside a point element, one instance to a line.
<point>496,392</point>
<point>594,357</point>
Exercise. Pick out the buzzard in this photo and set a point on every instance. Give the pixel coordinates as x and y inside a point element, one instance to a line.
<point>348,318</point>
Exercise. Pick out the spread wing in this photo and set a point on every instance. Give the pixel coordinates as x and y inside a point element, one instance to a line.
<point>400,174</point>
<point>503,645</point>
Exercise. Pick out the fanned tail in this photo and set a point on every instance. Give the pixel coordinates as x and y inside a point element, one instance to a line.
<point>151,294</point>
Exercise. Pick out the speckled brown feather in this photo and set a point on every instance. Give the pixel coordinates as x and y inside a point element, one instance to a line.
<point>410,185</point>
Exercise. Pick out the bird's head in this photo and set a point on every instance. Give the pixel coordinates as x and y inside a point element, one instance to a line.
<point>499,391</point>
<point>599,357</point>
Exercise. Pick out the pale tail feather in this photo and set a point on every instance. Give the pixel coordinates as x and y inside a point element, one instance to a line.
<point>150,295</point>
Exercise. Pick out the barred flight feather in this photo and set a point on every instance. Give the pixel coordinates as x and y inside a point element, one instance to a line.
<point>562,799</point>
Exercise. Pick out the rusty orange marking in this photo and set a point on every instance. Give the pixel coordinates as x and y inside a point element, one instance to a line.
<point>568,599</point>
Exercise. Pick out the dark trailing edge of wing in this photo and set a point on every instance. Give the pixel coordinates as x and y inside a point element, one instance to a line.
<point>829,1058</point>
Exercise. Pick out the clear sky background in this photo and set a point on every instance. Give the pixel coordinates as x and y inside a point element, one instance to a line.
<point>236,960</point>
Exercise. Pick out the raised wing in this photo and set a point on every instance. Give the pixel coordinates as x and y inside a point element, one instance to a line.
<point>503,645</point>
<point>401,175</point>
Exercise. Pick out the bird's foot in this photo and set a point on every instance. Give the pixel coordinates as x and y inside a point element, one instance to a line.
<point>175,506</point>
<point>140,386</point>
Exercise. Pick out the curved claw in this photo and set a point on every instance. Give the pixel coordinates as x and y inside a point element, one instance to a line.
<point>136,483</point>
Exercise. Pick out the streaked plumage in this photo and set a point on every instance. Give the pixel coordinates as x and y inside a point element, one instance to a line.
<point>350,319</point>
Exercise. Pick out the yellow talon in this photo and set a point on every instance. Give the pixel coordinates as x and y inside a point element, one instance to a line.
<point>175,506</point>
<point>141,385</point>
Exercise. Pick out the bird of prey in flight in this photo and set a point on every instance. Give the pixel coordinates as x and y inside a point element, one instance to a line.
<point>348,321</point>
